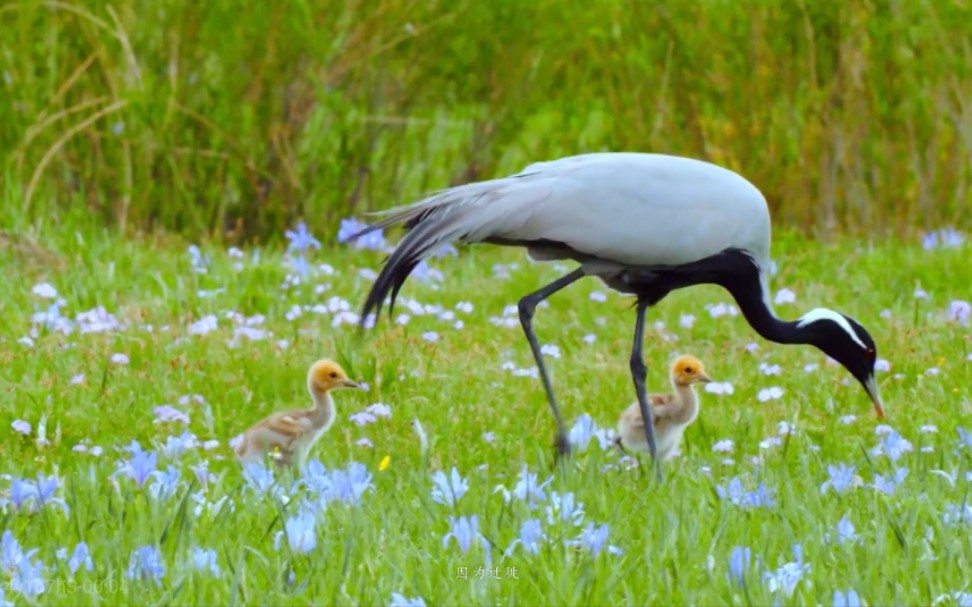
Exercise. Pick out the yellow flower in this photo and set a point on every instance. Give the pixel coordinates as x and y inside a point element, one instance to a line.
<point>385,462</point>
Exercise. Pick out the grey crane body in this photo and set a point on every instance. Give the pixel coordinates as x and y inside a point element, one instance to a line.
<point>645,225</point>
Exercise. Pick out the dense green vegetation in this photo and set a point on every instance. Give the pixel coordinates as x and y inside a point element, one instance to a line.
<point>175,325</point>
<point>236,118</point>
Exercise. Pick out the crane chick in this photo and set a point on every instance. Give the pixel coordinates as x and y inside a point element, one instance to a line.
<point>288,436</point>
<point>671,413</point>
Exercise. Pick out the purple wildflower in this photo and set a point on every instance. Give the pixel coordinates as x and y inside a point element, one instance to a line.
<point>842,478</point>
<point>594,539</point>
<point>140,467</point>
<point>374,241</point>
<point>206,560</point>
<point>739,562</point>
<point>400,600</point>
<point>145,564</point>
<point>531,536</point>
<point>300,533</point>
<point>787,577</point>
<point>168,413</point>
<point>448,489</point>
<point>301,239</point>
<point>847,600</point>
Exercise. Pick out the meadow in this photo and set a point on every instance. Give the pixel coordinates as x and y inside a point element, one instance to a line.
<point>158,158</point>
<point>130,365</point>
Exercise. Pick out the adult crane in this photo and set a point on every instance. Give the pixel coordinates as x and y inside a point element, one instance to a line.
<point>646,225</point>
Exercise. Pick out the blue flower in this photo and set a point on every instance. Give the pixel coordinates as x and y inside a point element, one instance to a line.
<point>565,508</point>
<point>955,515</point>
<point>893,446</point>
<point>166,483</point>
<point>348,486</point>
<point>145,564</point>
<point>300,265</point>
<point>946,238</point>
<point>400,600</point>
<point>175,446</point>
<point>760,498</point>
<point>10,551</point>
<point>842,478</point>
<point>26,575</point>
<point>531,536</point>
<point>735,494</point>
<point>79,558</point>
<point>21,491</point>
<point>527,488</point>
<point>3,599</point>
<point>594,539</point>
<point>965,438</point>
<point>28,579</point>
<point>300,239</point>
<point>202,473</point>
<point>316,478</point>
<point>733,491</point>
<point>582,432</point>
<point>259,478</point>
<point>449,489</point>
<point>199,261</point>
<point>141,466</point>
<point>206,560</point>
<point>739,561</point>
<point>789,575</point>
<point>845,531</point>
<point>846,600</point>
<point>300,532</point>
<point>466,531</point>
<point>888,485</point>
<point>962,599</point>
<point>349,227</point>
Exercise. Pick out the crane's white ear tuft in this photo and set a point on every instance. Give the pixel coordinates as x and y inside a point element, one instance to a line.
<point>822,314</point>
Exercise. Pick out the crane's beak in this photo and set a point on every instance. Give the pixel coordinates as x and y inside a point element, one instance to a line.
<point>347,383</point>
<point>872,391</point>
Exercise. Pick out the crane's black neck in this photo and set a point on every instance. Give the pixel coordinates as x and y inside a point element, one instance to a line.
<point>756,309</point>
<point>737,272</point>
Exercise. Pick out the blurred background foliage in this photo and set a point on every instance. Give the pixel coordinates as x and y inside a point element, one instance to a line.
<point>235,119</point>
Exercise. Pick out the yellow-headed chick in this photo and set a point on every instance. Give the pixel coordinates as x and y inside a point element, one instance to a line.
<point>288,436</point>
<point>671,413</point>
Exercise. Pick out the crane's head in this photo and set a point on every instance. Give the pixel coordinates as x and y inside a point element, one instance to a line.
<point>327,375</point>
<point>846,341</point>
<point>688,370</point>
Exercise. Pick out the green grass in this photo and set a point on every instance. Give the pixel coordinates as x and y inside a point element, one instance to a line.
<point>676,536</point>
<point>233,119</point>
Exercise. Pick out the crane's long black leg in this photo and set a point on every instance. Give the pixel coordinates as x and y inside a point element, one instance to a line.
<point>638,373</point>
<point>527,307</point>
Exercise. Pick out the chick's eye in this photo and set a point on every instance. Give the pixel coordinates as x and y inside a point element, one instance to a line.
<point>333,375</point>
<point>689,370</point>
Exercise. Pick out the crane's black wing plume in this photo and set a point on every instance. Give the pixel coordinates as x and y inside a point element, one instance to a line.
<point>429,223</point>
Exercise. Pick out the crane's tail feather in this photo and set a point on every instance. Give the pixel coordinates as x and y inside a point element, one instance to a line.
<point>413,248</point>
<point>471,212</point>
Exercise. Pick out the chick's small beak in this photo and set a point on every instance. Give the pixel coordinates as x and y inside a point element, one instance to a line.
<point>872,391</point>
<point>347,383</point>
<point>704,378</point>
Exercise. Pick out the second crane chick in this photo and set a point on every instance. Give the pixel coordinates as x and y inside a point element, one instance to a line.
<point>671,413</point>
<point>289,435</point>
